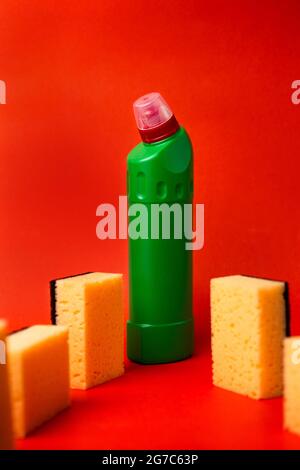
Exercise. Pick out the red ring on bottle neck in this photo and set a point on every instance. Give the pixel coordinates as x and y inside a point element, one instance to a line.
<point>160,132</point>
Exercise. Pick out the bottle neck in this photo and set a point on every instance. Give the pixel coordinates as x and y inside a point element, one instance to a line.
<point>161,132</point>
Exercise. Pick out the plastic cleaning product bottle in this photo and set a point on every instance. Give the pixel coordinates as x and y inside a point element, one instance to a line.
<point>160,174</point>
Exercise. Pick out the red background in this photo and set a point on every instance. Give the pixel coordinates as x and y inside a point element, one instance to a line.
<point>72,70</point>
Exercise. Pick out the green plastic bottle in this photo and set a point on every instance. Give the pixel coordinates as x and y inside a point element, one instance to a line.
<point>160,328</point>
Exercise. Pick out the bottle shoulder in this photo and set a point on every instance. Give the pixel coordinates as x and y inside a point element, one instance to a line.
<point>161,172</point>
<point>178,143</point>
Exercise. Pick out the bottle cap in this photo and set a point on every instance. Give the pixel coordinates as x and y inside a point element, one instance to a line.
<point>154,118</point>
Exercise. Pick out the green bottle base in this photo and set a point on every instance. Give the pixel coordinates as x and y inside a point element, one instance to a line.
<point>159,344</point>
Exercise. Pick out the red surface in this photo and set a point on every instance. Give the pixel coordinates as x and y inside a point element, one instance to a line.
<point>170,406</point>
<point>72,71</point>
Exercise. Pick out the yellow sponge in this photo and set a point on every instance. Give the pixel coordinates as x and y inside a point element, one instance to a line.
<point>292,384</point>
<point>6,434</point>
<point>39,375</point>
<point>248,326</point>
<point>91,306</point>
